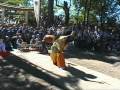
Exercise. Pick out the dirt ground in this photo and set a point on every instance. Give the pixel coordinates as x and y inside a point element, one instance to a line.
<point>15,78</point>
<point>107,63</point>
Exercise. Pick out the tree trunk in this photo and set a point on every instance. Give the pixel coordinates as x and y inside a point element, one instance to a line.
<point>88,11</point>
<point>50,12</point>
<point>101,16</point>
<point>67,15</point>
<point>85,11</point>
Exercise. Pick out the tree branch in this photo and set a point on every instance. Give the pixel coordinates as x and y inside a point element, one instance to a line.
<point>70,4</point>
<point>58,4</point>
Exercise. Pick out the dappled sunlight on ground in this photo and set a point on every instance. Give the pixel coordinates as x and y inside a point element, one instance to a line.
<point>14,78</point>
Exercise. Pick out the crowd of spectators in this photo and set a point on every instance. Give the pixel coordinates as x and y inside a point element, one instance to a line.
<point>89,38</point>
<point>24,36</point>
<point>95,39</point>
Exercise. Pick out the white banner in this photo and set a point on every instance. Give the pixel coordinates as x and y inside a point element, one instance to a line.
<point>37,10</point>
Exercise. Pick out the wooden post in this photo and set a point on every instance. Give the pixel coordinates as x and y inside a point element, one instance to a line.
<point>3,15</point>
<point>40,19</point>
<point>26,17</point>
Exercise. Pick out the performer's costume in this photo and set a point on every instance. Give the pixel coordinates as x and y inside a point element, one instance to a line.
<point>57,49</point>
<point>57,54</point>
<point>49,39</point>
<point>47,42</point>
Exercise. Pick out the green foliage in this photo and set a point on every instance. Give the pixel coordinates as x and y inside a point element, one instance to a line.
<point>103,9</point>
<point>25,3</point>
<point>13,2</point>
<point>17,2</point>
<point>2,1</point>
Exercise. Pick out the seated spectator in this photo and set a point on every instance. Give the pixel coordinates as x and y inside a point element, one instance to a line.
<point>3,52</point>
<point>19,42</point>
<point>38,44</point>
<point>24,47</point>
<point>32,42</point>
<point>2,46</point>
<point>8,44</point>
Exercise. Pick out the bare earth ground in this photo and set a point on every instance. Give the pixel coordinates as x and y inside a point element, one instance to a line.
<point>15,78</point>
<point>15,75</point>
<point>106,63</point>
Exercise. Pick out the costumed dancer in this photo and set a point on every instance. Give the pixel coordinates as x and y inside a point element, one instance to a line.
<point>47,42</point>
<point>57,49</point>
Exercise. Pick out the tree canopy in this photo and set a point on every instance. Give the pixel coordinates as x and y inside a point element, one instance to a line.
<point>17,2</point>
<point>89,11</point>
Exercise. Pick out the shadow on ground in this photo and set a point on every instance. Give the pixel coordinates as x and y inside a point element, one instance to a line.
<point>73,52</point>
<point>14,78</point>
<point>19,65</point>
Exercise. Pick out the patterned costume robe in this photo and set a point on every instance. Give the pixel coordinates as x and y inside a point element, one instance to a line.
<point>57,49</point>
